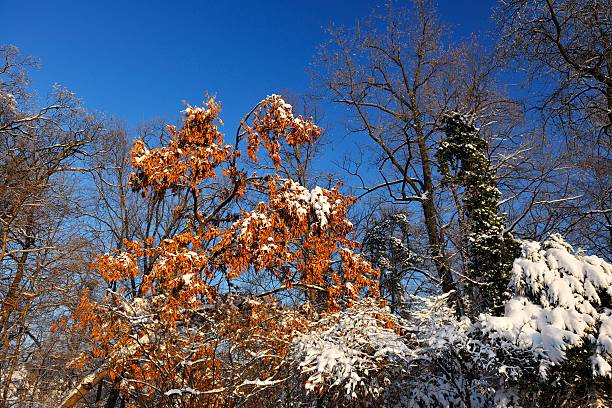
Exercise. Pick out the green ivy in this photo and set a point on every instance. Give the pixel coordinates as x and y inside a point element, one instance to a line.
<point>491,252</point>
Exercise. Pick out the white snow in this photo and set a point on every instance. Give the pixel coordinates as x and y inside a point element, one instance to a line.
<point>556,304</point>
<point>192,111</point>
<point>302,201</point>
<point>349,349</point>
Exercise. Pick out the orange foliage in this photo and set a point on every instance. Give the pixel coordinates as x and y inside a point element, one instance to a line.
<point>273,121</point>
<point>186,327</point>
<point>191,156</point>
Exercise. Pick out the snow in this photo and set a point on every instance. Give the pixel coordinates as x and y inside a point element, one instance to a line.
<point>125,259</point>
<point>192,111</point>
<point>8,103</point>
<point>176,391</point>
<point>187,278</point>
<point>556,304</point>
<point>284,110</point>
<point>302,201</point>
<point>253,218</point>
<point>600,366</point>
<point>348,349</point>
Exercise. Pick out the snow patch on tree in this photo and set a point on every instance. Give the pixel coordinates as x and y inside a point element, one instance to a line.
<point>353,352</point>
<point>302,202</point>
<point>557,304</point>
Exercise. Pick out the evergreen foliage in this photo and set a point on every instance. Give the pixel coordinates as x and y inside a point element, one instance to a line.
<point>491,251</point>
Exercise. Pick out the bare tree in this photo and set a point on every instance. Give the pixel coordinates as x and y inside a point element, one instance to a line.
<point>566,47</point>
<point>398,75</point>
<point>43,258</point>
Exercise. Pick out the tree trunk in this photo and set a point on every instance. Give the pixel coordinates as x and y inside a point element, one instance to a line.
<point>434,234</point>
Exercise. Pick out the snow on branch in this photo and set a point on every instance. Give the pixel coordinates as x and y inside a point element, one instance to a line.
<point>561,300</point>
<point>352,352</point>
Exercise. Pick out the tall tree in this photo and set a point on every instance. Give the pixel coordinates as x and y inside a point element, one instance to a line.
<point>398,73</point>
<point>43,258</point>
<point>389,244</point>
<point>566,48</point>
<point>463,158</point>
<point>178,324</point>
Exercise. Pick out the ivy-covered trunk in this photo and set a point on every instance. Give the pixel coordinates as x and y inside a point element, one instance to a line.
<point>490,250</point>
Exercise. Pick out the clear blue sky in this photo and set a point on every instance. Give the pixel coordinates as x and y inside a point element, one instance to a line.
<point>138,60</point>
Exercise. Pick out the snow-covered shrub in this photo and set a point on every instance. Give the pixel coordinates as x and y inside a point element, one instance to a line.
<point>561,312</point>
<point>561,300</point>
<point>365,356</point>
<point>552,345</point>
<point>454,363</point>
<point>353,355</point>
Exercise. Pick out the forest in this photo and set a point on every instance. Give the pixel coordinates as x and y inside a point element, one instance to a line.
<point>459,257</point>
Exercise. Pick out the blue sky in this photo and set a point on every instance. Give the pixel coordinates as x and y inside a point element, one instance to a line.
<point>138,60</point>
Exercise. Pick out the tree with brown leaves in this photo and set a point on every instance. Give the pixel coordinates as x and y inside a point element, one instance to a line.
<point>188,325</point>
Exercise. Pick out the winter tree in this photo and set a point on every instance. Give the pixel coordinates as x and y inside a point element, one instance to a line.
<point>178,322</point>
<point>463,160</point>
